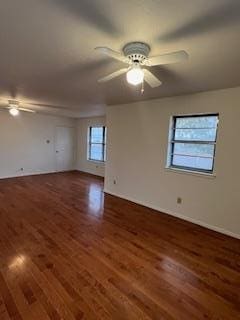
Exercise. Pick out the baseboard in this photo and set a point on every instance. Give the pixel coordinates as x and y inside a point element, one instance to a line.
<point>177,215</point>
<point>27,174</point>
<point>90,174</point>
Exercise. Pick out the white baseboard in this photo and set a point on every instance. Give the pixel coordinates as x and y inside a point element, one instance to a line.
<point>91,172</point>
<point>177,215</point>
<point>35,173</point>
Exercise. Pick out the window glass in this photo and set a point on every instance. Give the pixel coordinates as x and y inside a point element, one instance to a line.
<point>97,143</point>
<point>97,135</point>
<point>193,142</point>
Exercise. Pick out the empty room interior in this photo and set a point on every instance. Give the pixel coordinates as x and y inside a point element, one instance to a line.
<point>119,160</point>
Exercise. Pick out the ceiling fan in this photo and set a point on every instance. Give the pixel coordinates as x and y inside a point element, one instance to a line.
<point>14,107</point>
<point>135,54</point>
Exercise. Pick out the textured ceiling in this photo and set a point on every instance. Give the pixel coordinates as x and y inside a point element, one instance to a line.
<point>47,49</point>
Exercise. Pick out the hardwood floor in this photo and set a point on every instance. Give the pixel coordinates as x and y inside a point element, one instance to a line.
<point>69,252</point>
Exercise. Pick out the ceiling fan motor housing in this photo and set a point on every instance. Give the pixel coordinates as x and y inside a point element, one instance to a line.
<point>137,52</point>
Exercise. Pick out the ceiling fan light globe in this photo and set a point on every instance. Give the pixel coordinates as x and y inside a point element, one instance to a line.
<point>14,112</point>
<point>135,76</point>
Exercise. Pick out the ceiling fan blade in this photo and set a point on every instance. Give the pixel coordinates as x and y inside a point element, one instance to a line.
<point>151,79</point>
<point>168,58</point>
<point>4,104</point>
<point>27,110</point>
<point>45,105</point>
<point>113,75</point>
<point>111,53</point>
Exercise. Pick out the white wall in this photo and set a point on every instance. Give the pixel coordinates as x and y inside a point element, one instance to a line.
<point>23,143</point>
<point>137,152</point>
<point>93,167</point>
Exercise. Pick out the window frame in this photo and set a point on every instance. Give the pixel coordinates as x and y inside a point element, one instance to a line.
<point>103,144</point>
<point>173,141</point>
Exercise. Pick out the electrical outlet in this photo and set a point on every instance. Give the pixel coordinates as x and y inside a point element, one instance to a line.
<point>179,200</point>
<point>21,169</point>
<point>114,181</point>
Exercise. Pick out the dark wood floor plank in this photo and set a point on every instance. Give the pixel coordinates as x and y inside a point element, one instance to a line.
<point>3,311</point>
<point>67,251</point>
<point>8,300</point>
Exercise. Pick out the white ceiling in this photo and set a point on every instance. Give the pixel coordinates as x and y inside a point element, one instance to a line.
<point>47,49</point>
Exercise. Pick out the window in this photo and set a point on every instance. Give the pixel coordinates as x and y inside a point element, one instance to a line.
<point>193,142</point>
<point>97,143</point>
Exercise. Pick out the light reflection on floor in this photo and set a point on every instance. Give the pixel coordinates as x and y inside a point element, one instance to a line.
<point>17,262</point>
<point>95,199</point>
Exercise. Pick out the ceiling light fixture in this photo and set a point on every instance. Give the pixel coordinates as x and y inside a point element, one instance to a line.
<point>136,56</point>
<point>135,75</point>
<point>14,111</point>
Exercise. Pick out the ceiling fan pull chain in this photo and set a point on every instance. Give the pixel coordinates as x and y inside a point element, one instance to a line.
<point>142,89</point>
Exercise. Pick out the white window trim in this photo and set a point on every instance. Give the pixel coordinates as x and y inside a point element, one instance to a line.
<point>191,172</point>
<point>88,144</point>
<point>171,168</point>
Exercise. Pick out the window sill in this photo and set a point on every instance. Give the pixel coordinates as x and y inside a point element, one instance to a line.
<point>193,173</point>
<point>96,161</point>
